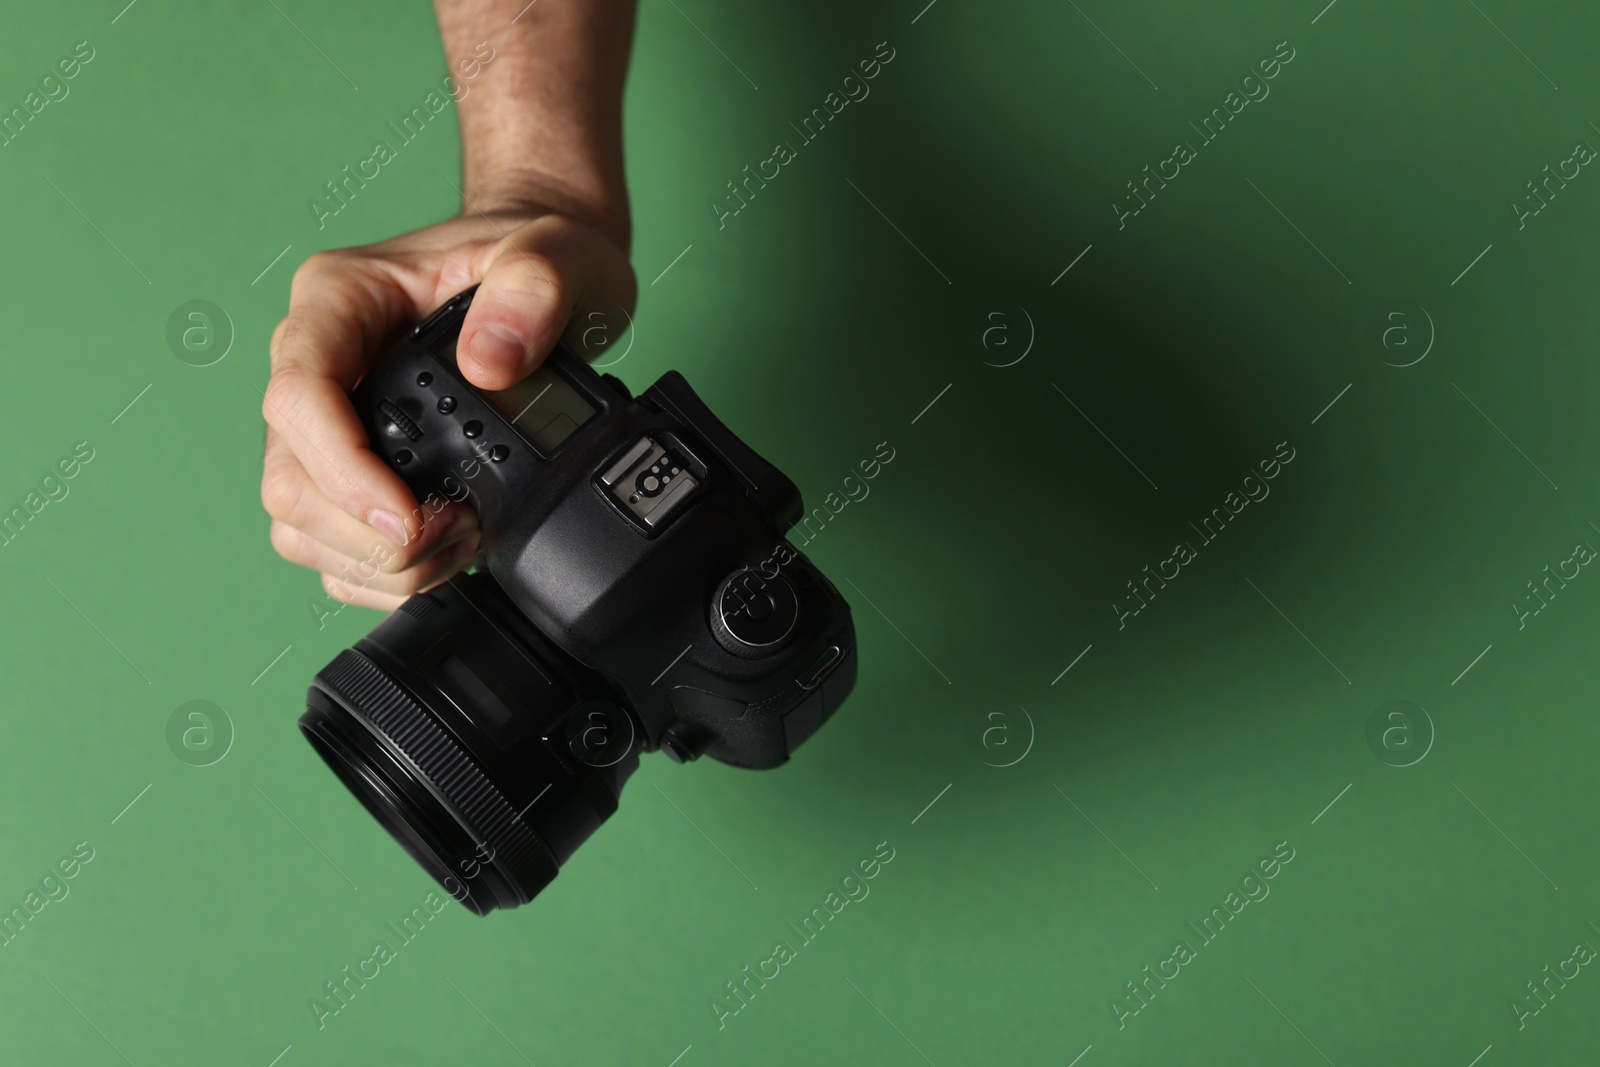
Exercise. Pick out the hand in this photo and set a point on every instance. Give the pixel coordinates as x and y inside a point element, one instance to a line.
<point>336,506</point>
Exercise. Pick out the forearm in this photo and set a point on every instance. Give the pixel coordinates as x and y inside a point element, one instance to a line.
<point>542,123</point>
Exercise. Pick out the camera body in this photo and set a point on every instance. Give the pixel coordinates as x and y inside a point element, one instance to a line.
<point>634,592</point>
<point>719,636</point>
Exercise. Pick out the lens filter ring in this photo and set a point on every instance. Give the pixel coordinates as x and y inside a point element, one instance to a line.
<point>504,842</point>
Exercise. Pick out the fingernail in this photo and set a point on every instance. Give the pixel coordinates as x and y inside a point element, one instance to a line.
<point>388,524</point>
<point>497,346</point>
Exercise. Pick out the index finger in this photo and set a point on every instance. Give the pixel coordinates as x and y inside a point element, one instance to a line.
<point>339,318</point>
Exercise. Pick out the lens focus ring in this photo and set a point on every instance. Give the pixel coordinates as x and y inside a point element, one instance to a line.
<point>481,809</point>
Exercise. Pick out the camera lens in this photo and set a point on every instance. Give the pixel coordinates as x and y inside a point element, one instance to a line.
<point>489,754</point>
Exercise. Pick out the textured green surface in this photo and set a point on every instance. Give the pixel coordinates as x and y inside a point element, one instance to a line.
<point>1178,752</point>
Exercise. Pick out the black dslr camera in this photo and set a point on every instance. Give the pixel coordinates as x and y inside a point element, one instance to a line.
<point>639,594</point>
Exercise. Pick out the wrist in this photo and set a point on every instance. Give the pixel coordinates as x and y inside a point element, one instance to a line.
<point>524,189</point>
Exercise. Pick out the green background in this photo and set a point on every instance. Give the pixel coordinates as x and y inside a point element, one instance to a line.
<point>1175,754</point>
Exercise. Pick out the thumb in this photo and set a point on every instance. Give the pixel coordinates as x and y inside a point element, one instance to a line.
<point>543,272</point>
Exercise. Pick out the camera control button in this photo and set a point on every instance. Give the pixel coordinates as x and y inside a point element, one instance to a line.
<point>398,422</point>
<point>751,614</point>
<point>447,404</point>
<point>473,428</point>
<point>681,744</point>
<point>499,453</point>
<point>821,668</point>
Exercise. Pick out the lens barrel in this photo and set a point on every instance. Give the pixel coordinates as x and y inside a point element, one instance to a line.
<point>487,752</point>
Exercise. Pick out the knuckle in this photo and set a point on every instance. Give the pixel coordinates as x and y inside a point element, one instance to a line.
<point>387,559</point>
<point>282,396</point>
<point>321,274</point>
<point>398,560</point>
<point>283,493</point>
<point>529,277</point>
<point>283,338</point>
<point>286,540</point>
<point>318,264</point>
